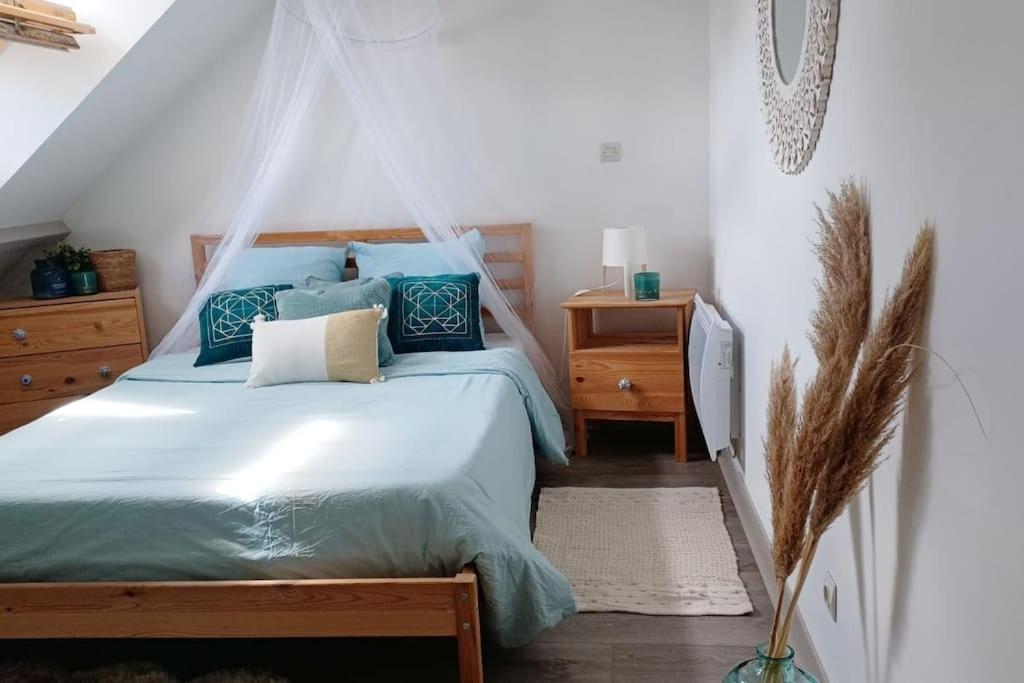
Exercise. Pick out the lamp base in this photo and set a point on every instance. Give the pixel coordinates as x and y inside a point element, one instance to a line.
<point>628,271</point>
<point>627,281</point>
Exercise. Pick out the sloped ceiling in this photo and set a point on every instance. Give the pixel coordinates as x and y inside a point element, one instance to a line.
<point>41,87</point>
<point>190,35</point>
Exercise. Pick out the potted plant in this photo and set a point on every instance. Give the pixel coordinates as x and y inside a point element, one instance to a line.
<point>76,262</point>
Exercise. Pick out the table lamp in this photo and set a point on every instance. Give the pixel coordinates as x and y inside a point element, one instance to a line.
<point>625,248</point>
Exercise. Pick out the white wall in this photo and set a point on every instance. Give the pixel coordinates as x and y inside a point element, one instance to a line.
<point>550,81</point>
<point>50,84</point>
<point>926,108</point>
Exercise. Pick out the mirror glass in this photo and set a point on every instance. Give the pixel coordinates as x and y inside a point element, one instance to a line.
<point>788,18</point>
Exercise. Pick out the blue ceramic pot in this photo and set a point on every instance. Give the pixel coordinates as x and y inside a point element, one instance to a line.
<point>49,279</point>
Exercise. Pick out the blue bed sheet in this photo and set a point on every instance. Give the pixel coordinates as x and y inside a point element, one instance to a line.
<point>181,473</point>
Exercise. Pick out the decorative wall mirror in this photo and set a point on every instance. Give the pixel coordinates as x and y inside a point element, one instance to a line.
<point>796,45</point>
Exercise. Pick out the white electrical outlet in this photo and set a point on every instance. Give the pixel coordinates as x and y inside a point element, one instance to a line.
<point>611,151</point>
<point>830,593</point>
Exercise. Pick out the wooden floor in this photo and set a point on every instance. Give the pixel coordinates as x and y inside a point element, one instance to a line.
<point>586,647</point>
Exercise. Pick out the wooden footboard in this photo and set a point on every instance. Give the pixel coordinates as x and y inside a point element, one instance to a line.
<point>252,609</point>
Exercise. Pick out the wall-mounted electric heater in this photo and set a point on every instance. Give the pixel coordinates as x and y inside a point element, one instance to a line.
<point>710,356</point>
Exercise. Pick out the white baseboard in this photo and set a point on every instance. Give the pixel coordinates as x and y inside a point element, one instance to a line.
<point>807,656</point>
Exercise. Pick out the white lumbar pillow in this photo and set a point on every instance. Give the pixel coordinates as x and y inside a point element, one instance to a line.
<point>341,347</point>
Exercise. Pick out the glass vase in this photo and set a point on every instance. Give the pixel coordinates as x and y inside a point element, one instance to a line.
<point>765,669</point>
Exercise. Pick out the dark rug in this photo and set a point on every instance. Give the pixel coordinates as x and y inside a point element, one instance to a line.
<point>35,672</point>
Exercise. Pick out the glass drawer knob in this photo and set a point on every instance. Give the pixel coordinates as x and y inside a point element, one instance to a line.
<point>105,371</point>
<point>20,334</point>
<point>26,380</point>
<point>625,384</point>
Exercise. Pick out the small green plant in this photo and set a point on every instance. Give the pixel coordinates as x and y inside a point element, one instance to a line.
<point>73,259</point>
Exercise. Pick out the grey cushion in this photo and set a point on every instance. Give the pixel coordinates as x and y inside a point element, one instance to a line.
<point>339,297</point>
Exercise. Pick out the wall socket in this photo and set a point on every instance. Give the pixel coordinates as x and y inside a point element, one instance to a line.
<point>611,151</point>
<point>830,593</point>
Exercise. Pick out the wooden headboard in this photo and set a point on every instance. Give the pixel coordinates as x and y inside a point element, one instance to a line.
<point>509,245</point>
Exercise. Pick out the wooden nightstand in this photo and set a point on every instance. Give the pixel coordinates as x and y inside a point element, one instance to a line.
<point>628,376</point>
<point>53,352</point>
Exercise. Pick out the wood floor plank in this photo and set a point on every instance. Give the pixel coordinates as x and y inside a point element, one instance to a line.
<point>552,661</point>
<point>656,664</point>
<point>636,629</point>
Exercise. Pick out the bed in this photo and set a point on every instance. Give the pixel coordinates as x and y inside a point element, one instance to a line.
<point>177,503</point>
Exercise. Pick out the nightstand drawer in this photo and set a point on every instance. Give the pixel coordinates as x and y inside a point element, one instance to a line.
<point>68,327</point>
<point>639,383</point>
<point>71,373</point>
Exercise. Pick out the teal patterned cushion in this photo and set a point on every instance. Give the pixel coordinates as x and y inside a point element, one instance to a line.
<point>224,323</point>
<point>435,313</point>
<point>296,304</point>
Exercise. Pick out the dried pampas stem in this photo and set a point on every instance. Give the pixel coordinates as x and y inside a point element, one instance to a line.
<point>782,638</point>
<point>819,459</point>
<point>963,387</point>
<point>868,418</point>
<point>778,450</point>
<point>838,328</point>
<point>795,460</point>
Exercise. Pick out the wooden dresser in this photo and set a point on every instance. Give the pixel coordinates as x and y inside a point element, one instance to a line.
<point>637,376</point>
<point>52,352</point>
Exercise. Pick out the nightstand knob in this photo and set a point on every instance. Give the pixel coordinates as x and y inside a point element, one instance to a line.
<point>625,384</point>
<point>19,334</point>
<point>104,371</point>
<point>26,380</point>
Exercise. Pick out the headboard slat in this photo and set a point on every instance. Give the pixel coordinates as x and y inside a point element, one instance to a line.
<point>203,246</point>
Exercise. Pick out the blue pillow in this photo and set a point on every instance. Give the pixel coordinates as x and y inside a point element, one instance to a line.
<point>292,265</point>
<point>313,282</point>
<point>435,313</point>
<point>420,258</point>
<point>297,304</point>
<point>224,322</point>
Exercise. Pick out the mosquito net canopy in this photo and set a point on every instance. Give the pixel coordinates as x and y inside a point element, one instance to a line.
<point>371,69</point>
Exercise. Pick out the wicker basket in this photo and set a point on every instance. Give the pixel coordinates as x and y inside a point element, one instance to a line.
<point>115,269</point>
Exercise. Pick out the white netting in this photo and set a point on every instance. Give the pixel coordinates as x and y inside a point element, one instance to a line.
<point>382,56</point>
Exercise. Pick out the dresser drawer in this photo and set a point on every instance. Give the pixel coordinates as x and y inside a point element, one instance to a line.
<point>68,327</point>
<point>18,414</point>
<point>649,383</point>
<point>50,375</point>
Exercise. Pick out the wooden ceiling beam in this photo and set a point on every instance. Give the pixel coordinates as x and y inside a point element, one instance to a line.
<point>47,21</point>
<point>31,35</point>
<point>47,7</point>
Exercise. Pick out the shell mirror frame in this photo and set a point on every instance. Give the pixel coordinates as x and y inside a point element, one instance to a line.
<point>796,45</point>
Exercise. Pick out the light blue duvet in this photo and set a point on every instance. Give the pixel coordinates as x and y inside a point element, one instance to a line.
<point>179,473</point>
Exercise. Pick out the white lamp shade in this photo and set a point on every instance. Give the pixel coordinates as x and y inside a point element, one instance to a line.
<point>624,246</point>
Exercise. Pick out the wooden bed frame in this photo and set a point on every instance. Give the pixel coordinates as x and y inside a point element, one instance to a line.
<point>319,608</point>
<point>421,606</point>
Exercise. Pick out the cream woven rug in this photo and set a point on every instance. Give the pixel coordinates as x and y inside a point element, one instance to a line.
<point>649,551</point>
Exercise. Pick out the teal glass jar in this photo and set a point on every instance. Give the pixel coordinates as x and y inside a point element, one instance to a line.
<point>84,282</point>
<point>765,669</point>
<point>647,286</point>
